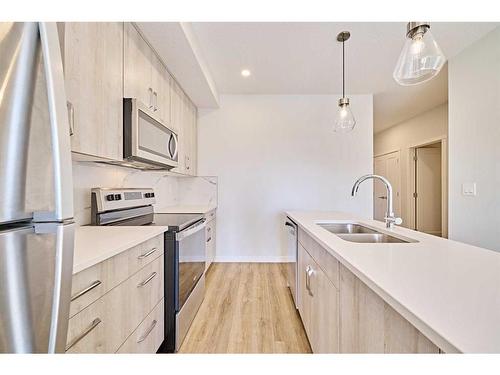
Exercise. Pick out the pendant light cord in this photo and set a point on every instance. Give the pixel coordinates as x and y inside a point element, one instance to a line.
<point>343,69</point>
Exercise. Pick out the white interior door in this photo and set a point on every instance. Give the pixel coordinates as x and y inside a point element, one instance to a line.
<point>388,166</point>
<point>428,189</point>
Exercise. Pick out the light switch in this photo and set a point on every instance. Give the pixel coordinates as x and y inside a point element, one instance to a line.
<point>469,188</point>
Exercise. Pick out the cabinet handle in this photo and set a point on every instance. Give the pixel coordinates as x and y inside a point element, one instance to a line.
<point>307,277</point>
<point>209,239</point>
<point>309,274</point>
<point>145,255</point>
<point>89,329</point>
<point>71,117</point>
<point>95,284</point>
<point>155,101</point>
<point>150,90</point>
<point>209,229</point>
<point>141,284</point>
<point>148,331</point>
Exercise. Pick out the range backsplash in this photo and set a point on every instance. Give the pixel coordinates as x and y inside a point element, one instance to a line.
<point>170,189</point>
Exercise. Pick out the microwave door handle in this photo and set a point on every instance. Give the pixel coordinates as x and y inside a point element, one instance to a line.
<point>59,133</point>
<point>174,139</point>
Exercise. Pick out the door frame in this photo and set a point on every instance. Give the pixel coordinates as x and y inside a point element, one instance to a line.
<point>399,193</point>
<point>444,181</point>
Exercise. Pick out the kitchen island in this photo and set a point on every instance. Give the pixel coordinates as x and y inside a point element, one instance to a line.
<point>448,291</point>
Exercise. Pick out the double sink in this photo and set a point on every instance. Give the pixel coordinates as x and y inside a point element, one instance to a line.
<point>354,232</point>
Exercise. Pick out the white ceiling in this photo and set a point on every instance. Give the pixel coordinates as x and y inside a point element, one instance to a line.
<point>305,58</point>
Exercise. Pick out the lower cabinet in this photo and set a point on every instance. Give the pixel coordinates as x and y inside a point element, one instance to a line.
<point>127,317</point>
<point>319,305</point>
<point>343,315</point>
<point>370,325</point>
<point>211,240</point>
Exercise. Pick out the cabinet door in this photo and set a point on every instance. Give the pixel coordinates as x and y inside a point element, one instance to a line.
<point>160,83</point>
<point>210,244</point>
<point>93,56</point>
<point>305,300</point>
<point>137,73</point>
<point>325,313</point>
<point>194,139</point>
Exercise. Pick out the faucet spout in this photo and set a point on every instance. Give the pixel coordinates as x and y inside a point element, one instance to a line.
<point>390,218</point>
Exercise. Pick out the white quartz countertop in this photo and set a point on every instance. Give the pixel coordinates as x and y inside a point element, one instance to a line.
<point>186,209</point>
<point>94,244</point>
<point>448,290</point>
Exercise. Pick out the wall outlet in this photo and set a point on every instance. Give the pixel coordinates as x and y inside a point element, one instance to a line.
<point>469,189</point>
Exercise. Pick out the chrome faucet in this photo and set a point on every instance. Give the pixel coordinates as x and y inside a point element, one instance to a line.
<point>390,218</point>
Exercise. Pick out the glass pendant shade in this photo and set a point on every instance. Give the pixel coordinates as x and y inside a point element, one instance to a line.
<point>345,121</point>
<point>421,58</point>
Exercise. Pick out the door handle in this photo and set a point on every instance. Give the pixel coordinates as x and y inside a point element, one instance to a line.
<point>92,326</point>
<point>150,91</point>
<point>71,118</point>
<point>94,285</point>
<point>145,255</point>
<point>151,277</point>
<point>148,331</point>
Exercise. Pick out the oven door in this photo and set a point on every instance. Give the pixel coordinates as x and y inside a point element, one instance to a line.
<point>146,138</point>
<point>191,264</point>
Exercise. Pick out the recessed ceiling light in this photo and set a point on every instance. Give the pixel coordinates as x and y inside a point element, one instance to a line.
<point>245,73</point>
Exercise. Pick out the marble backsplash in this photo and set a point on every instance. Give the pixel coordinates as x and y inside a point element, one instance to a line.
<point>170,189</point>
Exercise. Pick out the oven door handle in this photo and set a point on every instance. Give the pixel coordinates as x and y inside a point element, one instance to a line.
<point>190,230</point>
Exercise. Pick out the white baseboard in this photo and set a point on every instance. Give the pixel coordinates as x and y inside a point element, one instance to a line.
<point>252,259</point>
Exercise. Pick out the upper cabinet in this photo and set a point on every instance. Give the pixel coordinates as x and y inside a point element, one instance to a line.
<point>105,62</point>
<point>93,69</point>
<point>184,121</point>
<point>144,76</point>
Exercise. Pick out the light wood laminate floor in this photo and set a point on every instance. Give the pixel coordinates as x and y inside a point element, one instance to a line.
<point>247,309</point>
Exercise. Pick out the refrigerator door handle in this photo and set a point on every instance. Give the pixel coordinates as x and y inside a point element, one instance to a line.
<point>60,138</point>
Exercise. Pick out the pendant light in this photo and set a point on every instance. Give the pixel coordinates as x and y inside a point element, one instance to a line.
<point>421,58</point>
<point>345,121</point>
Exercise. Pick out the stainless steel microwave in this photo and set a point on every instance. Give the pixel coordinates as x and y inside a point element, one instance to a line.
<point>147,142</point>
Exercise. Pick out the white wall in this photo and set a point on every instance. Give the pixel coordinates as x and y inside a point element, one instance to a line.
<point>474,142</point>
<point>275,153</point>
<point>430,125</point>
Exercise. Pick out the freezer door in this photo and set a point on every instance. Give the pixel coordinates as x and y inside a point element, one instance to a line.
<point>35,287</point>
<point>20,52</point>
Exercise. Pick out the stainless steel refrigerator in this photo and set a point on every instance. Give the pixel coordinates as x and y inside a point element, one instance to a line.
<point>36,191</point>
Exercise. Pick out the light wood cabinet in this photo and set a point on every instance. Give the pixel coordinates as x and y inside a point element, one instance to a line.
<point>184,120</point>
<point>144,75</point>
<point>93,282</point>
<point>342,314</point>
<point>148,337</point>
<point>130,293</point>
<point>93,69</point>
<point>318,305</point>
<point>370,325</point>
<point>210,234</point>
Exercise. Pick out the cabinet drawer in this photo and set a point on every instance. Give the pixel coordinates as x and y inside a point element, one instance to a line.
<point>145,291</point>
<point>148,337</point>
<point>90,330</point>
<point>92,283</point>
<point>119,311</point>
<point>325,260</point>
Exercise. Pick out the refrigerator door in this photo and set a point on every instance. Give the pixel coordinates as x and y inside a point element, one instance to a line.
<point>35,276</point>
<point>19,51</point>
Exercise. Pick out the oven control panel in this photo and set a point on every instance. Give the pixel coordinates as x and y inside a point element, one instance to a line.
<point>108,199</point>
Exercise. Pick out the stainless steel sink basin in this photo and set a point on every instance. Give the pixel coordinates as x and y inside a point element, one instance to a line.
<point>354,232</point>
<point>346,228</point>
<point>371,238</point>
